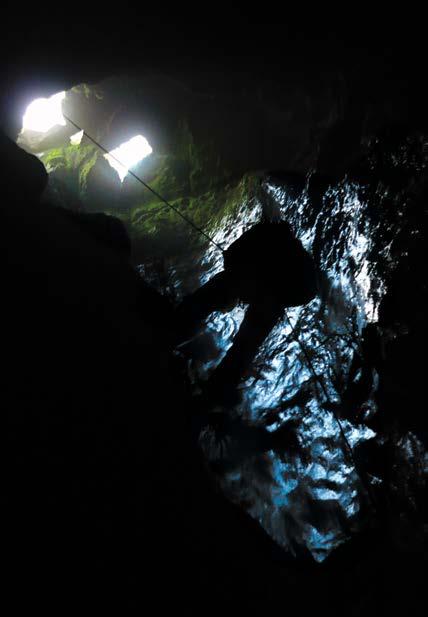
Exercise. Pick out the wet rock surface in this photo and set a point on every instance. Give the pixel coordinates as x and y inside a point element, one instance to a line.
<point>329,361</point>
<point>335,359</point>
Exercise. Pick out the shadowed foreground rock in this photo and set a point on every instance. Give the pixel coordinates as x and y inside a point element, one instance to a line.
<point>104,497</point>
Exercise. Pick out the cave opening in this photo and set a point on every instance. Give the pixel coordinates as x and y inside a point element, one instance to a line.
<point>44,115</point>
<point>127,155</point>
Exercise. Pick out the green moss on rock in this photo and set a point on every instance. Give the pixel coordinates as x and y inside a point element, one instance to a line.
<point>159,230</point>
<point>189,175</point>
<point>72,165</point>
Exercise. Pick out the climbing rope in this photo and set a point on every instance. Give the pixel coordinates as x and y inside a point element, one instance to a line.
<point>147,186</point>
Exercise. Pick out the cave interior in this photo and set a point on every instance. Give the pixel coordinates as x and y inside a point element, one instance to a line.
<point>109,500</point>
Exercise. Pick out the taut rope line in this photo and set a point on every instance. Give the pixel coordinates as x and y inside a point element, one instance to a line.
<point>147,186</point>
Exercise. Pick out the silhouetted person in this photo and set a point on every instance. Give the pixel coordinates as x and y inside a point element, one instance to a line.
<point>266,268</point>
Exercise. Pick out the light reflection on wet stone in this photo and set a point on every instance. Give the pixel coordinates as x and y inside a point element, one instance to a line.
<point>308,501</point>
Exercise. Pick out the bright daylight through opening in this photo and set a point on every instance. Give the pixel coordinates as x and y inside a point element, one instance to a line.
<point>43,114</point>
<point>128,154</point>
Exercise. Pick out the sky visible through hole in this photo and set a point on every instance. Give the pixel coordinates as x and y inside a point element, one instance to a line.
<point>44,114</point>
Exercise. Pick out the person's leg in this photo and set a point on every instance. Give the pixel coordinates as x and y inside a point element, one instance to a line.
<point>256,326</point>
<point>218,294</point>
